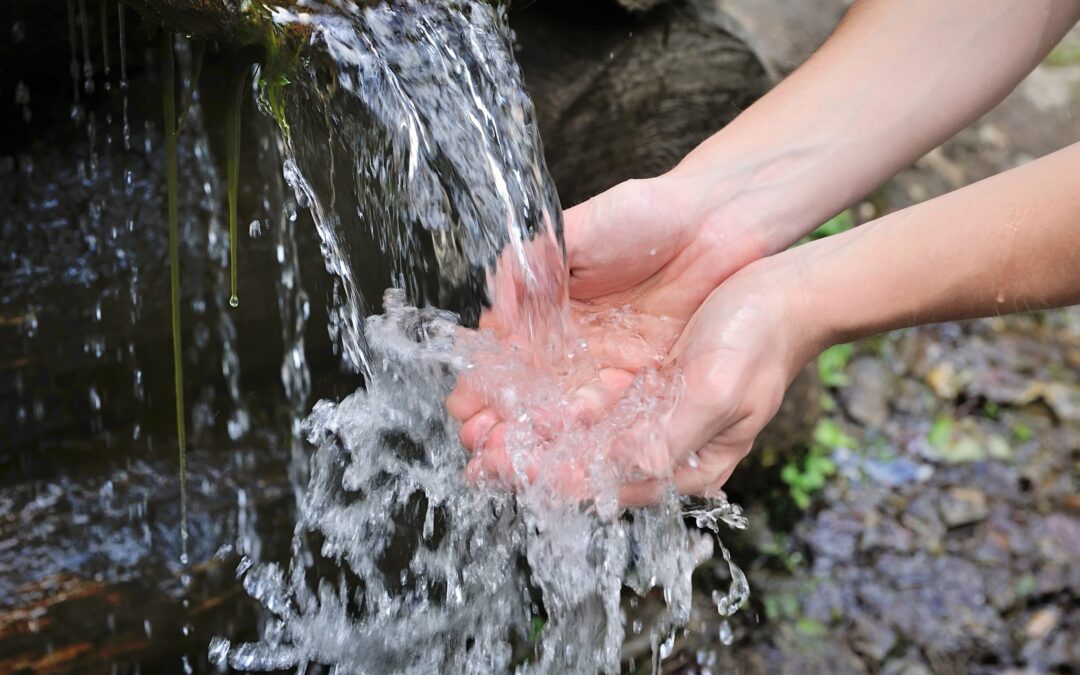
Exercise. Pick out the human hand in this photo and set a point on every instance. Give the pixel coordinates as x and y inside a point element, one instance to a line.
<point>659,245</point>
<point>686,419</point>
<point>735,358</point>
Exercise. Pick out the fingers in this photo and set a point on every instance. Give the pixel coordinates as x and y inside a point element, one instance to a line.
<point>464,401</point>
<point>475,432</point>
<point>591,400</point>
<point>704,476</point>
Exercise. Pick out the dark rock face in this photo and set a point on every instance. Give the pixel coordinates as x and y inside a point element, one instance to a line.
<point>622,96</point>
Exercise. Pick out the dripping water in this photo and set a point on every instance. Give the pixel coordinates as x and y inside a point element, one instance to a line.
<point>122,36</point>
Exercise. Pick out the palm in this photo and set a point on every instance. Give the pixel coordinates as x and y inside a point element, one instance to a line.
<point>641,264</point>
<point>640,245</point>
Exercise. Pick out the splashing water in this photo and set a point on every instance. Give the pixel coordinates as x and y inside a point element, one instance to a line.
<point>401,565</point>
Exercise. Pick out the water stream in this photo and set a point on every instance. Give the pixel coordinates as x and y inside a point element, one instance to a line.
<point>414,135</point>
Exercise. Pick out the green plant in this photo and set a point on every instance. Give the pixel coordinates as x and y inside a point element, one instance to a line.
<point>841,222</point>
<point>808,476</point>
<point>831,365</point>
<point>940,431</point>
<point>1022,432</point>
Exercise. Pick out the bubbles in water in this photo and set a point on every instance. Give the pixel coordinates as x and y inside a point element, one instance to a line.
<point>218,652</point>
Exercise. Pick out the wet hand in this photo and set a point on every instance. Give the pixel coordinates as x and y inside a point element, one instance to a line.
<point>659,245</point>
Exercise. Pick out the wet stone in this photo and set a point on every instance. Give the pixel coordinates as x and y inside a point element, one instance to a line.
<point>867,397</point>
<point>1042,622</point>
<point>1059,538</point>
<point>922,518</point>
<point>963,506</point>
<point>873,638</point>
<point>887,534</point>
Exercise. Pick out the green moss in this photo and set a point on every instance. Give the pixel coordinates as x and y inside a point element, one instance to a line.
<point>281,53</point>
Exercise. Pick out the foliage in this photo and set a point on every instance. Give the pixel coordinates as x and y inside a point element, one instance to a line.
<point>841,222</point>
<point>940,432</point>
<point>1022,432</point>
<point>808,476</point>
<point>831,364</point>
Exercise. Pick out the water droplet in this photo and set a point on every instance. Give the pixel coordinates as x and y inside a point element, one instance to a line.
<point>234,301</point>
<point>726,635</point>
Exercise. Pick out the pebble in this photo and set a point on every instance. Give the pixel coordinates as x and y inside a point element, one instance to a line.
<point>867,397</point>
<point>963,506</point>
<point>1042,622</point>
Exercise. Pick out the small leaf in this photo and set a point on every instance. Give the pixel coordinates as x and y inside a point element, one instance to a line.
<point>941,432</point>
<point>811,628</point>
<point>831,364</point>
<point>830,436</point>
<point>1022,432</point>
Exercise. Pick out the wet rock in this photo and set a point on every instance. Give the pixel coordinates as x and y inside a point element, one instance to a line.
<point>1042,622</point>
<point>867,397</point>
<point>963,506</point>
<point>896,471</point>
<point>910,664</point>
<point>924,521</point>
<point>834,536</point>
<point>946,381</point>
<point>1063,399</point>
<point>873,638</point>
<point>887,534</point>
<point>1059,538</point>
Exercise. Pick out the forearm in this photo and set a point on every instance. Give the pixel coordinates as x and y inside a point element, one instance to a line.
<point>896,79</point>
<point>1009,243</point>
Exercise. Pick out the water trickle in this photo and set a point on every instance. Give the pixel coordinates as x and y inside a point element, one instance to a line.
<point>87,64</point>
<point>105,65</point>
<point>124,85</point>
<point>74,67</point>
<point>399,563</point>
<point>22,98</point>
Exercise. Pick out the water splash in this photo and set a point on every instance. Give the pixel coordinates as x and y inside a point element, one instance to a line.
<point>407,567</point>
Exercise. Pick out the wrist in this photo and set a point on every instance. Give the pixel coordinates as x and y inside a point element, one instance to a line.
<point>803,324</point>
<point>768,198</point>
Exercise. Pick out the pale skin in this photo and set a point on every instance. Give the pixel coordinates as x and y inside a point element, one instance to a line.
<point>707,244</point>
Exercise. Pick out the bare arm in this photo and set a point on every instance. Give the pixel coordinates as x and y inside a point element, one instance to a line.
<point>1006,244</point>
<point>896,79</point>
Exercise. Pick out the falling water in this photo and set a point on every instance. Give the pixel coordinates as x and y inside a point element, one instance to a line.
<point>414,136</point>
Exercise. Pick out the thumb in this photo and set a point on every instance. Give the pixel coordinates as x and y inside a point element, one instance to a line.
<point>579,229</point>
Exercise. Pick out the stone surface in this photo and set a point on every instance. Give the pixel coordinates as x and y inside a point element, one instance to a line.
<point>963,506</point>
